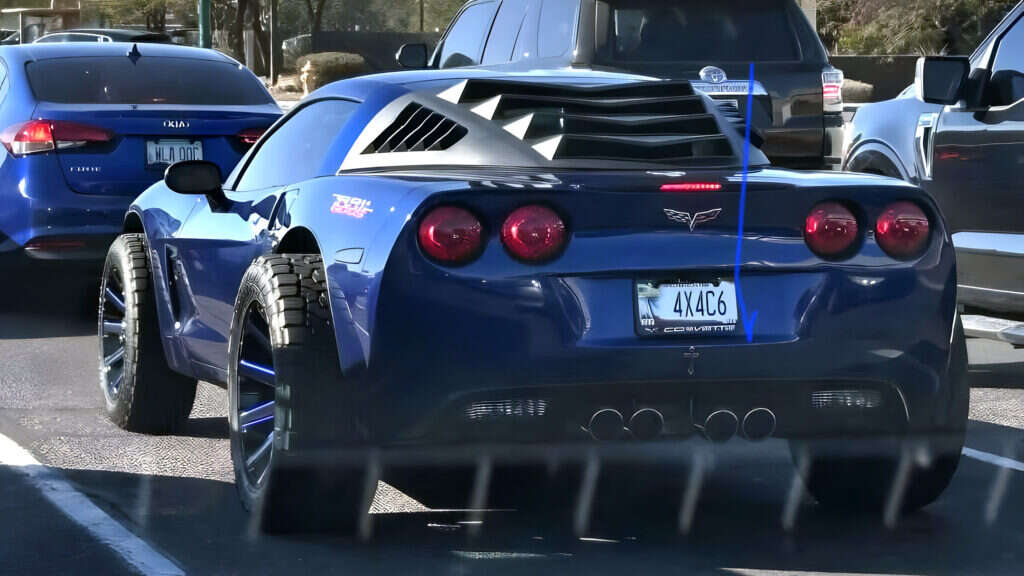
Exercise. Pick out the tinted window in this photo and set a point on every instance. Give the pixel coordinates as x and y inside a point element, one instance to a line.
<point>557,25</point>
<point>696,30</point>
<point>465,40</point>
<point>151,80</point>
<point>1008,68</point>
<point>505,31</point>
<point>296,151</point>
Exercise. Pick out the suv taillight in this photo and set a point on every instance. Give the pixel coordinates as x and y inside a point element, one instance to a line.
<point>832,90</point>
<point>37,136</point>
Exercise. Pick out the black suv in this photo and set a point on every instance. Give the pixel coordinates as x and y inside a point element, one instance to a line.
<point>798,96</point>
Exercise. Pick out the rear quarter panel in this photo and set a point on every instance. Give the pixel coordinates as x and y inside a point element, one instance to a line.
<point>356,221</point>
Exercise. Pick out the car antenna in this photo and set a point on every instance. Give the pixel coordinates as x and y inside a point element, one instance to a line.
<point>134,54</point>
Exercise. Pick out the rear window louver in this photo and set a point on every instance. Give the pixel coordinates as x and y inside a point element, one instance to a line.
<point>417,129</point>
<point>663,122</point>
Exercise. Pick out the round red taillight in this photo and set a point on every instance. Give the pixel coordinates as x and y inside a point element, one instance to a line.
<point>902,230</point>
<point>534,233</point>
<point>451,235</point>
<point>830,229</point>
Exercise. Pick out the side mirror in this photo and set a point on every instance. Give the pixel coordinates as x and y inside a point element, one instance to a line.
<point>196,177</point>
<point>941,79</point>
<point>412,56</point>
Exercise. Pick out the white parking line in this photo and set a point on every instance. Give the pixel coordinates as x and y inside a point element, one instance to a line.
<point>83,512</point>
<point>1001,461</point>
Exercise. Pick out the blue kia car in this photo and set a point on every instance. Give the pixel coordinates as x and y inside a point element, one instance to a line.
<point>87,127</point>
<point>453,267</point>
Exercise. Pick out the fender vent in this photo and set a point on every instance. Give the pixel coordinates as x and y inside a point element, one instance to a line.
<point>417,129</point>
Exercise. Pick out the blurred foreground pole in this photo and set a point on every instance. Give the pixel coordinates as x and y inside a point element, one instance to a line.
<point>275,45</point>
<point>205,34</point>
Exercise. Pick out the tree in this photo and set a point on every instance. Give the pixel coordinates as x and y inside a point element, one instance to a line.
<point>315,12</point>
<point>254,10</point>
<point>153,13</point>
<point>908,26</point>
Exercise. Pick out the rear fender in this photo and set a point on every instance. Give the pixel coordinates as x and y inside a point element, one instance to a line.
<point>355,221</point>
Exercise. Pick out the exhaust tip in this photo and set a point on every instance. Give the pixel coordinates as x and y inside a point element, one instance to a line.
<point>720,426</point>
<point>758,424</point>
<point>646,423</point>
<point>606,424</point>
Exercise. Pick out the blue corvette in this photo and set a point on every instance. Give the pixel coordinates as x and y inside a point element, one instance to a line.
<point>87,127</point>
<point>455,261</point>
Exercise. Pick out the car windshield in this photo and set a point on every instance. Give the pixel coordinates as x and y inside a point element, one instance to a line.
<point>694,30</point>
<point>148,80</point>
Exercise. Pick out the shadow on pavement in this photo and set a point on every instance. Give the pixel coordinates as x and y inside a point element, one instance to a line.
<point>48,301</point>
<point>736,530</point>
<point>207,427</point>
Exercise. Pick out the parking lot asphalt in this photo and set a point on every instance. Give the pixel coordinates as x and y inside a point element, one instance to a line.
<point>174,500</point>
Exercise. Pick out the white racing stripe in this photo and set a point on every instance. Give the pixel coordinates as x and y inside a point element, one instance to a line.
<point>83,512</point>
<point>1001,461</point>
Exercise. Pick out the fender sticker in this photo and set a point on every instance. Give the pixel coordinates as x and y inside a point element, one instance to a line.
<point>350,206</point>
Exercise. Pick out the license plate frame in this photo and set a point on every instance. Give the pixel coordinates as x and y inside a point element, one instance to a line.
<point>653,319</point>
<point>156,158</point>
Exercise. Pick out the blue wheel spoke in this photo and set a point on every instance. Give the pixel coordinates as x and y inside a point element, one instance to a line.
<point>258,372</point>
<point>262,413</point>
<point>114,358</point>
<point>260,452</point>
<point>113,327</point>
<point>112,297</point>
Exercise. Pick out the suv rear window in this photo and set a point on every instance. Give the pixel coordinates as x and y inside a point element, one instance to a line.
<point>151,80</point>
<point>695,31</point>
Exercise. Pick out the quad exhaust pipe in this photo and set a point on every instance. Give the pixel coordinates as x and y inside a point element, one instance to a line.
<point>608,424</point>
<point>721,425</point>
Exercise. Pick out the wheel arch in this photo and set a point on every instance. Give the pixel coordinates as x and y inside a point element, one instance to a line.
<point>299,240</point>
<point>133,223</point>
<point>877,154</point>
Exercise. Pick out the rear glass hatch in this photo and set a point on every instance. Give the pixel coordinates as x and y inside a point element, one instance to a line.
<point>712,44</point>
<point>146,113</point>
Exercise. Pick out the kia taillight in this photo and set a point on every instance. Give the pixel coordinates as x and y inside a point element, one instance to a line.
<point>902,230</point>
<point>534,233</point>
<point>37,136</point>
<point>451,235</point>
<point>832,90</point>
<point>250,136</point>
<point>830,230</point>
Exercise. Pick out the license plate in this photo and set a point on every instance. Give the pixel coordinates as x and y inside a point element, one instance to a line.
<point>686,308</point>
<point>165,152</point>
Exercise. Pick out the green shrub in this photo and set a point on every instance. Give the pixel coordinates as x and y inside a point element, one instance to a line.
<point>327,67</point>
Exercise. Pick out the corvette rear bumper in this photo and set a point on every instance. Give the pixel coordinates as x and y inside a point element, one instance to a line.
<point>537,371</point>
